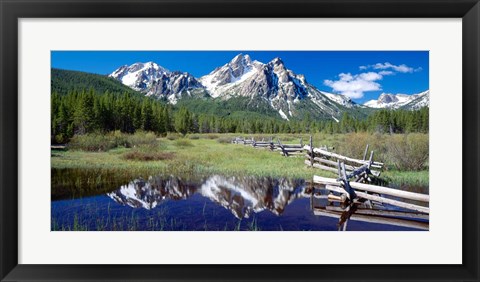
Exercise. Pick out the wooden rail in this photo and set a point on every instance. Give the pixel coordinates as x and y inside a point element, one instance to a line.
<point>362,191</point>
<point>290,149</point>
<point>375,189</point>
<point>383,212</point>
<point>323,159</point>
<point>375,219</point>
<point>323,152</point>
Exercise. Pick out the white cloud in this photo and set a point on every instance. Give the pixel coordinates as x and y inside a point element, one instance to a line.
<point>385,72</point>
<point>391,67</point>
<point>400,68</point>
<point>370,76</point>
<point>354,86</point>
<point>345,76</point>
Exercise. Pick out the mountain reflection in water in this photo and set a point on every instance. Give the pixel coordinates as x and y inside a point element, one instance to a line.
<point>214,203</point>
<point>242,196</point>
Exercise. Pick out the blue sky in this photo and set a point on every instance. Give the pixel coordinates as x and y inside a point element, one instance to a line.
<point>361,75</point>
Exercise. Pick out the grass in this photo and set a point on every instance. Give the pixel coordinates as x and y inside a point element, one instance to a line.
<point>137,155</point>
<point>202,156</point>
<point>419,178</point>
<point>98,217</point>
<point>207,155</point>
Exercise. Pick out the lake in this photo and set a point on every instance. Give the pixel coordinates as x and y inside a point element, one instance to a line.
<point>213,203</point>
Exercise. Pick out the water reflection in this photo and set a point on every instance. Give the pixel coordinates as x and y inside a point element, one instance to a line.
<point>149,194</point>
<point>242,196</point>
<point>219,203</point>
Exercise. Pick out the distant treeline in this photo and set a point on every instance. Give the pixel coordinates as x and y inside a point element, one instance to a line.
<point>81,112</point>
<point>65,81</point>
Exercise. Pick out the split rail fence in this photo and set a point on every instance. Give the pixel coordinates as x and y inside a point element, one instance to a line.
<point>284,149</point>
<point>354,190</point>
<point>363,201</point>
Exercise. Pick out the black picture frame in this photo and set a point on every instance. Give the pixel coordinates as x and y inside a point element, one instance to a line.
<point>11,11</point>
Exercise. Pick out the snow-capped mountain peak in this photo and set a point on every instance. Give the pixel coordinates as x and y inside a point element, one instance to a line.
<point>340,99</point>
<point>155,80</point>
<point>139,75</point>
<point>240,68</point>
<point>269,84</point>
<point>396,101</point>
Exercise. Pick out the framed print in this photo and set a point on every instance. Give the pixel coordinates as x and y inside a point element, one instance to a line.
<point>228,140</point>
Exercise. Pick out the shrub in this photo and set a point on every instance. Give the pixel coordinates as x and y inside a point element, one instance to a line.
<point>409,152</point>
<point>173,136</point>
<point>183,143</point>
<point>104,142</point>
<point>194,136</point>
<point>60,139</point>
<point>94,142</point>
<point>212,136</point>
<point>141,138</point>
<point>353,145</point>
<point>148,156</point>
<point>224,140</point>
<point>265,138</point>
<point>378,143</point>
<point>286,138</point>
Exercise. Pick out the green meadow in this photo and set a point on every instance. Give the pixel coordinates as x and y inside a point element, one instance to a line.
<point>89,162</point>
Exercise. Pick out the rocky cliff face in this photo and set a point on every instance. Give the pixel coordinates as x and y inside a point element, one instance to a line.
<point>154,80</point>
<point>272,83</point>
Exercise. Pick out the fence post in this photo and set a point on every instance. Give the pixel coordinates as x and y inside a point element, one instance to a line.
<point>346,182</point>
<point>365,153</point>
<point>311,151</point>
<point>285,154</point>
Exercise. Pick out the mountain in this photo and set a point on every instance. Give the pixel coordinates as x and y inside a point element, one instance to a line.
<point>401,101</point>
<point>154,80</point>
<point>222,79</point>
<point>342,100</point>
<point>274,83</point>
<point>270,85</point>
<point>149,193</point>
<point>242,196</point>
<point>65,81</point>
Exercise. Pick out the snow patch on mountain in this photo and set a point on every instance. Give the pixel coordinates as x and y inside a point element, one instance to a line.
<point>172,99</point>
<point>340,99</point>
<point>282,114</point>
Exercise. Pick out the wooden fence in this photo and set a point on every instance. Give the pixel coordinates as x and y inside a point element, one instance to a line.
<point>290,149</point>
<point>284,149</point>
<point>353,189</point>
<point>381,217</point>
<point>323,159</point>
<point>374,193</point>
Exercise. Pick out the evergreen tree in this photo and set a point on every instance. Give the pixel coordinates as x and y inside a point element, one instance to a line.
<point>183,121</point>
<point>84,117</point>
